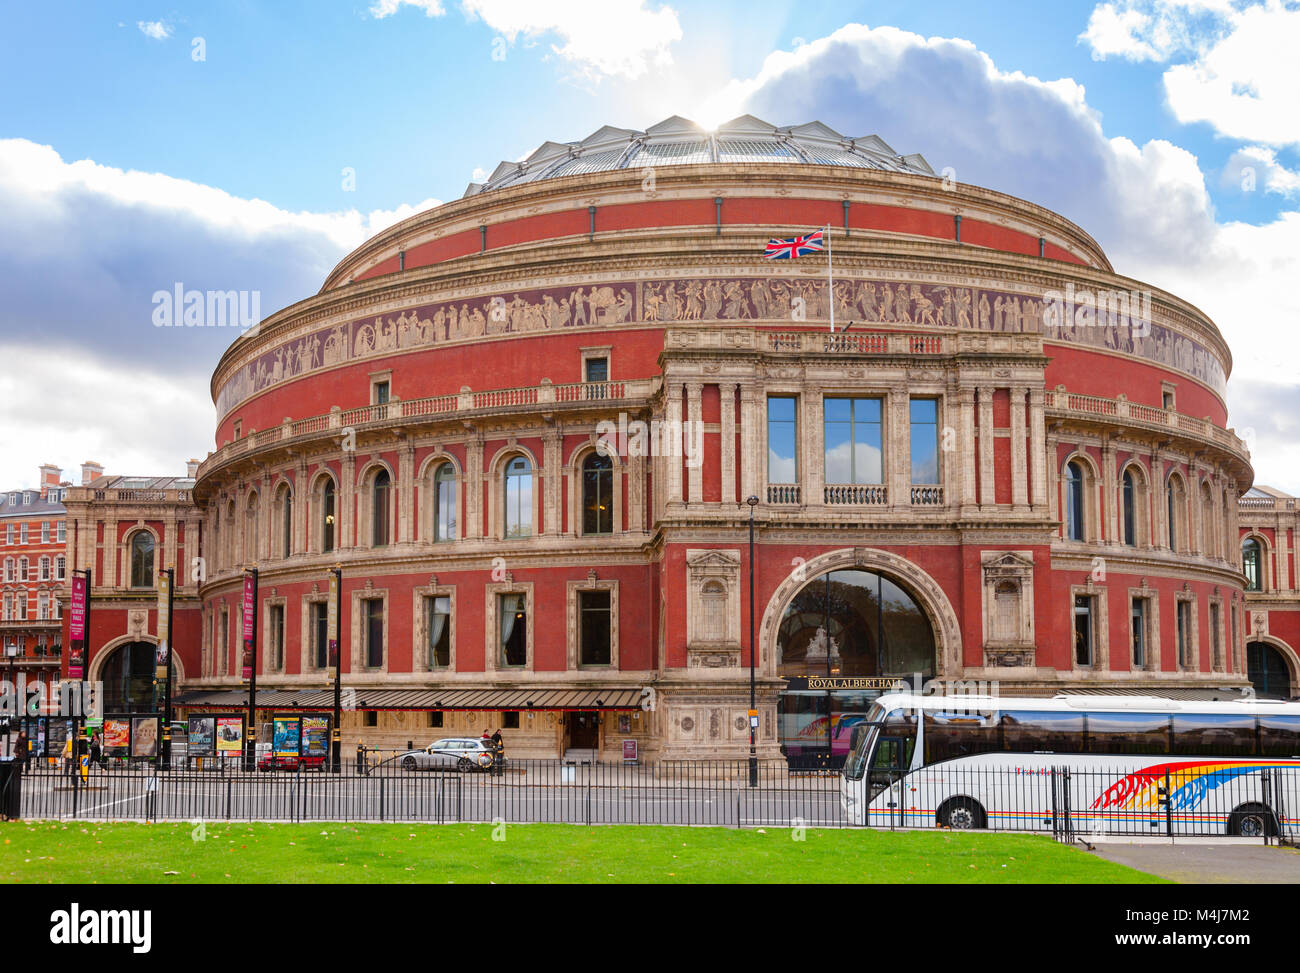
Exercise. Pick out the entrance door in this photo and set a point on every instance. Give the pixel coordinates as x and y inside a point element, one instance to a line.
<point>584,731</point>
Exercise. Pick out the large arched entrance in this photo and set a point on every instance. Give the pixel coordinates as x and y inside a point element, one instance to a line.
<point>843,639</point>
<point>127,674</point>
<point>1267,670</point>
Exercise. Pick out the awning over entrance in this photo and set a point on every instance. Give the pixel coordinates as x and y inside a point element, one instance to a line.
<point>419,699</point>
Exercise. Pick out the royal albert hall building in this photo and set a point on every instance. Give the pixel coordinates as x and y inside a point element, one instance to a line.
<point>526,425</point>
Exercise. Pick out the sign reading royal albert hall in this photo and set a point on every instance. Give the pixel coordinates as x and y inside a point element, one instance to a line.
<point>769,300</point>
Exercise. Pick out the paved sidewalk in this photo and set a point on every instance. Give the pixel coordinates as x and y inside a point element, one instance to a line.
<point>1218,863</point>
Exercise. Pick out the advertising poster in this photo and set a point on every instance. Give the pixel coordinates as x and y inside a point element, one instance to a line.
<point>315,736</point>
<point>77,627</point>
<point>203,738</point>
<point>250,610</point>
<point>55,736</point>
<point>230,734</point>
<point>117,737</point>
<point>332,627</point>
<point>284,736</point>
<point>144,737</point>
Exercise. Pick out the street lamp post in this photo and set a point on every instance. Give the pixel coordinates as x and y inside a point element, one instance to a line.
<point>752,501</point>
<point>335,615</point>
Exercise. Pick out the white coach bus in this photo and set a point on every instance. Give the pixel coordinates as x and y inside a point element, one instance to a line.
<point>1133,764</point>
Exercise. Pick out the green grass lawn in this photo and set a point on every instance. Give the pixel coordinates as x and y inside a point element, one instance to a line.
<point>32,852</point>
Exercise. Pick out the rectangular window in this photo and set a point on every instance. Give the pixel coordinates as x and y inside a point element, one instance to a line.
<point>512,620</point>
<point>276,622</point>
<point>371,718</point>
<point>45,531</point>
<point>782,439</point>
<point>923,415</point>
<point>320,628</point>
<point>9,533</point>
<point>381,393</point>
<point>435,719</point>
<point>61,532</point>
<point>1083,630</point>
<point>853,441</point>
<point>1184,634</point>
<point>593,628</point>
<point>1139,623</point>
<point>437,618</point>
<point>374,616</point>
<point>222,650</point>
<point>22,533</point>
<point>510,720</point>
<point>597,369</point>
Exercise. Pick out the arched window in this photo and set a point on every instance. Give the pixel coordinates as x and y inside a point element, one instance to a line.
<point>1251,564</point>
<point>327,515</point>
<point>141,548</point>
<point>1130,509</point>
<point>1267,671</point>
<point>519,498</point>
<point>380,509</point>
<point>597,494</point>
<point>1074,525</point>
<point>444,503</point>
<point>1176,512</point>
<point>284,508</point>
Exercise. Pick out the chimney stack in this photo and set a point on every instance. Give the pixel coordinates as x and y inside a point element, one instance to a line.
<point>90,472</point>
<point>50,476</point>
<point>192,468</point>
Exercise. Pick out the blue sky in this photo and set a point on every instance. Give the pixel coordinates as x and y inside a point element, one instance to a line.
<point>127,164</point>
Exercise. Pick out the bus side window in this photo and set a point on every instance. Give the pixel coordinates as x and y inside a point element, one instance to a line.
<point>1214,734</point>
<point>1279,736</point>
<point>960,734</point>
<point>1026,731</point>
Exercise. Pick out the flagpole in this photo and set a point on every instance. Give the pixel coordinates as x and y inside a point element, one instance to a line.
<point>830,277</point>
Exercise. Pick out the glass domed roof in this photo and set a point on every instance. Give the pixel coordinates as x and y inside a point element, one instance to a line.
<point>679,141</point>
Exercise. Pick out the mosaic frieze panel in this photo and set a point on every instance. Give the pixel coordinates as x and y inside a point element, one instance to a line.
<point>768,299</point>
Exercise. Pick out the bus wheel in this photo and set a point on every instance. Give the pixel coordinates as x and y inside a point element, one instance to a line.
<point>1252,821</point>
<point>961,814</point>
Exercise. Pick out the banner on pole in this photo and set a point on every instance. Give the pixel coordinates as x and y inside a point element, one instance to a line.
<point>250,607</point>
<point>332,627</point>
<point>77,627</point>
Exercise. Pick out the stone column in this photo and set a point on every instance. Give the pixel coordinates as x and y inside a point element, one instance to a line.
<point>551,469</point>
<point>1019,458</point>
<point>987,493</point>
<point>301,500</point>
<point>695,415</point>
<point>347,502</point>
<point>406,489</point>
<point>636,471</point>
<point>169,545</point>
<point>752,474</point>
<point>812,457</point>
<point>1109,493</point>
<point>897,448</point>
<point>1283,565</point>
<point>727,441</point>
<point>1038,465</point>
<point>673,417</point>
<point>966,432</point>
<point>474,487</point>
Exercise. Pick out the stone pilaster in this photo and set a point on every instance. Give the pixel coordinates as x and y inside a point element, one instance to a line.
<point>552,474</point>
<point>897,448</point>
<point>406,489</point>
<point>695,415</point>
<point>474,487</point>
<point>727,441</point>
<point>1038,454</point>
<point>966,432</point>
<point>673,416</point>
<point>1019,457</point>
<point>987,493</point>
<point>347,502</point>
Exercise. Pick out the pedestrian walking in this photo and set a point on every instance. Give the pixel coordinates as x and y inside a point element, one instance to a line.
<point>68,755</point>
<point>96,751</point>
<point>498,753</point>
<point>22,749</point>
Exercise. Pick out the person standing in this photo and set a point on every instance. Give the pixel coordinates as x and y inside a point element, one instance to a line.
<point>498,753</point>
<point>96,751</point>
<point>22,749</point>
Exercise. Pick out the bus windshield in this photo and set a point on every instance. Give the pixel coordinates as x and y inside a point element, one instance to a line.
<point>864,740</point>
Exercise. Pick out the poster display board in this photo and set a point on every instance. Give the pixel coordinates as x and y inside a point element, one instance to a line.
<point>202,736</point>
<point>230,735</point>
<point>117,737</point>
<point>315,736</point>
<point>144,737</point>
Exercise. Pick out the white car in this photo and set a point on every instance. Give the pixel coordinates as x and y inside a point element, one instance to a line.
<point>452,753</point>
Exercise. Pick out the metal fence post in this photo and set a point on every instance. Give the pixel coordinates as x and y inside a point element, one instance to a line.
<point>1165,796</point>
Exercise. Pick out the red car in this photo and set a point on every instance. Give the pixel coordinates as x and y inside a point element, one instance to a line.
<point>290,761</point>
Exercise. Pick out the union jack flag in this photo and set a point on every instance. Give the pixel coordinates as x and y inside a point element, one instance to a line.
<point>798,247</point>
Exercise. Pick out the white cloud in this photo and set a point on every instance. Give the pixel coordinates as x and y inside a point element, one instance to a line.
<point>1256,167</point>
<point>1231,62</point>
<point>84,248</point>
<point>1147,204</point>
<point>386,8</point>
<point>155,29</point>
